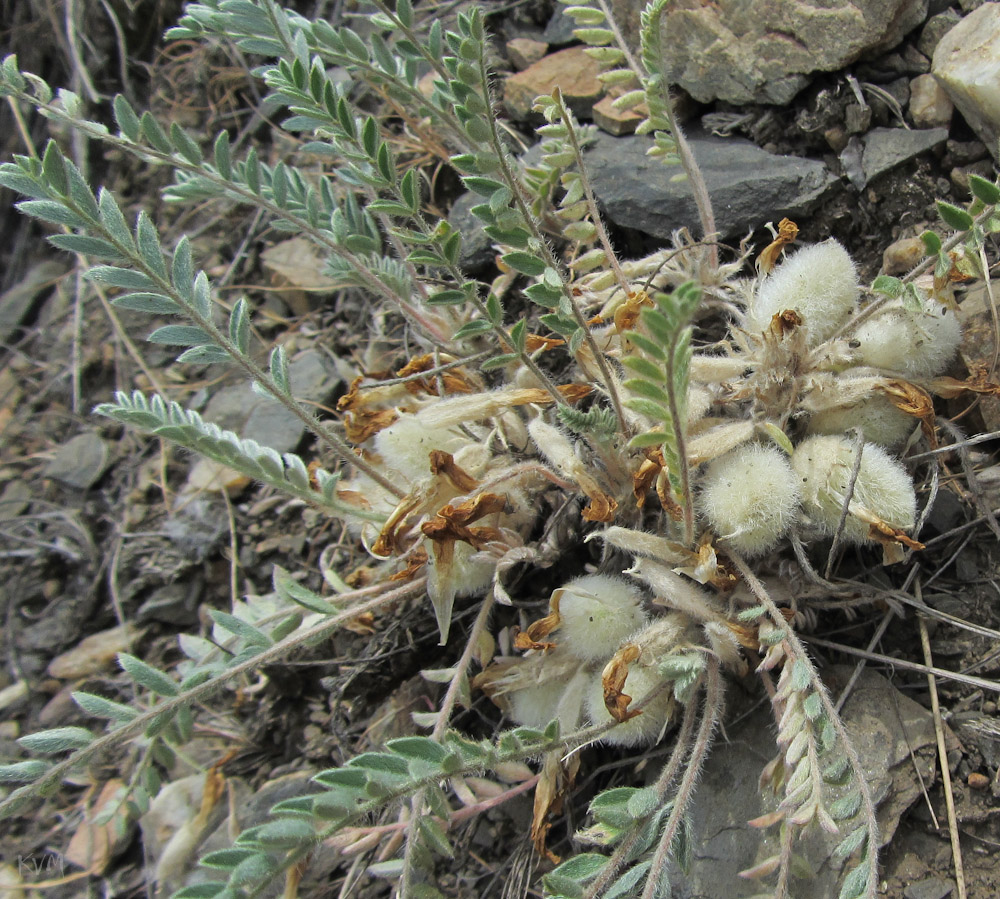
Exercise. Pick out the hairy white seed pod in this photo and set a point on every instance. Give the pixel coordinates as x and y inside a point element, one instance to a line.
<point>919,343</point>
<point>819,283</point>
<point>750,496</point>
<point>560,697</point>
<point>405,446</point>
<point>596,613</point>
<point>645,648</point>
<point>643,728</point>
<point>883,487</point>
<point>880,420</point>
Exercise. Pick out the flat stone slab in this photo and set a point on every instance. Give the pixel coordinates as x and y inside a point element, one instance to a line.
<point>748,186</point>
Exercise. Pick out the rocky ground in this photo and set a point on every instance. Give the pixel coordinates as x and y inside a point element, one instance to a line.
<point>109,541</point>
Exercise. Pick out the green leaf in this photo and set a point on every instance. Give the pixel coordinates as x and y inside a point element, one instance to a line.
<point>181,335</point>
<point>86,245</point>
<point>544,295</point>
<point>205,355</point>
<point>223,159</point>
<point>239,326</point>
<point>498,361</point>
<point>240,628</point>
<point>147,676</point>
<point>154,134</point>
<point>278,366</point>
<point>59,739</point>
<point>54,168</point>
<point>184,144</point>
<point>932,243</point>
<point>100,707</point>
<point>594,37</point>
<point>22,772</point>
<point>953,216</point>
<point>525,263</point>
<point>855,883</point>
<point>182,267</point>
<point>650,347</point>
<point>53,212</point>
<point>473,329</point>
<point>645,368</point>
<point>448,297</point>
<point>433,833</point>
<point>984,190</point>
<point>649,408</point>
<point>286,833</point>
<point>647,389</point>
<point>125,117</point>
<point>777,436</point>
<point>122,277</point>
<point>888,286</point>
<point>650,438</point>
<point>225,859</point>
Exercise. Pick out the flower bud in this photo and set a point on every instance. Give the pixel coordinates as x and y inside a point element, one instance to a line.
<point>750,496</point>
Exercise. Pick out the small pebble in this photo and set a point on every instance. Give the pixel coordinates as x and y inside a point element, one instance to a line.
<point>978,781</point>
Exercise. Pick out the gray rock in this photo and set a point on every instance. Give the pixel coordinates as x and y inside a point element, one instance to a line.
<point>748,186</point>
<point>172,604</point>
<point>263,419</point>
<point>885,725</point>
<point>79,463</point>
<point>477,248</point>
<point>19,303</point>
<point>967,64</point>
<point>934,888</point>
<point>559,30</point>
<point>935,29</point>
<point>885,148</point>
<point>759,51</point>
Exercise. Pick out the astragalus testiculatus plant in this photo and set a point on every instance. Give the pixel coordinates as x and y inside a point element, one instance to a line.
<point>597,435</point>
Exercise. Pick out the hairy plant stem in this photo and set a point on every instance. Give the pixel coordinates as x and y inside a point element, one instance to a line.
<point>595,216</point>
<point>711,711</point>
<point>870,822</point>
<point>405,887</point>
<point>51,779</point>
<point>664,782</point>
<point>677,426</point>
<point>699,190</point>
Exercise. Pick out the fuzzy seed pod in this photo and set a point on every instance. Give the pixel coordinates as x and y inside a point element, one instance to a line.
<point>883,488</point>
<point>596,613</point>
<point>880,420</point>
<point>918,343</point>
<point>638,660</point>
<point>407,443</point>
<point>819,283</point>
<point>643,728</point>
<point>751,497</point>
<point>560,698</point>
